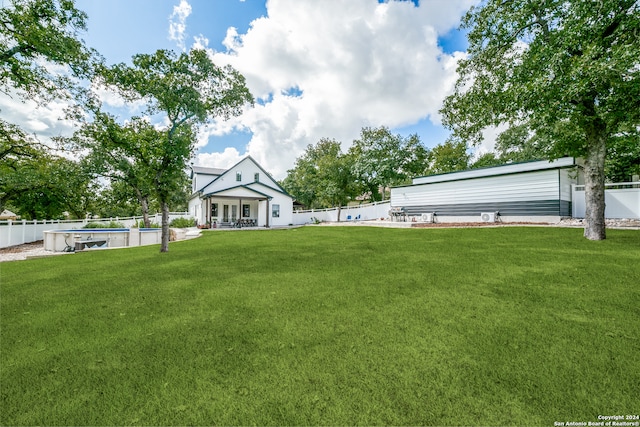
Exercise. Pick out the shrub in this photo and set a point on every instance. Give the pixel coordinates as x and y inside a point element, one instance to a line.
<point>183,223</point>
<point>112,224</point>
<point>140,224</point>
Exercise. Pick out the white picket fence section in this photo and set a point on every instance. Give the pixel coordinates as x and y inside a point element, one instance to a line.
<point>362,212</point>
<point>622,200</point>
<point>24,231</point>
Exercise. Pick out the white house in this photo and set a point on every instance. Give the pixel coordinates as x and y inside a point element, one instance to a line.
<point>243,195</point>
<point>537,191</point>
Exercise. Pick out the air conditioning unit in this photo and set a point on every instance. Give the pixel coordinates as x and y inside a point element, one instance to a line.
<point>488,216</point>
<point>427,217</point>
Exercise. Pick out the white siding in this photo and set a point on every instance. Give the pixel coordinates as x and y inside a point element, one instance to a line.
<point>196,210</point>
<point>286,210</point>
<point>530,186</point>
<point>567,178</point>
<point>200,180</point>
<point>242,192</point>
<point>247,169</point>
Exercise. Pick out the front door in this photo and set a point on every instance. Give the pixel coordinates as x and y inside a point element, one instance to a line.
<point>225,213</point>
<point>234,213</point>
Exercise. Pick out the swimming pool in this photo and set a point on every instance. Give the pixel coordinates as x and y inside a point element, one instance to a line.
<point>99,238</point>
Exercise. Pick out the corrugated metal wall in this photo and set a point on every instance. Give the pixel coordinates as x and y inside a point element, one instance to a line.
<point>529,193</point>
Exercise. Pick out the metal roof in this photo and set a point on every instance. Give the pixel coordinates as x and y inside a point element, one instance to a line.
<point>507,169</point>
<point>208,171</point>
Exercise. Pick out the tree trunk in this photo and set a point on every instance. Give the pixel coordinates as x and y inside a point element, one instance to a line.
<point>144,204</point>
<point>594,228</point>
<point>164,246</point>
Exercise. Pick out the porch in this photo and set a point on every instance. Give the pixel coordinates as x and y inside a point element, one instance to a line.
<point>239,223</point>
<point>236,212</point>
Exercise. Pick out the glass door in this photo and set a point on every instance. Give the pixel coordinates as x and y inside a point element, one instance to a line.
<point>225,213</point>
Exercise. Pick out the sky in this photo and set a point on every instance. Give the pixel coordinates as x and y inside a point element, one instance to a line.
<point>316,68</point>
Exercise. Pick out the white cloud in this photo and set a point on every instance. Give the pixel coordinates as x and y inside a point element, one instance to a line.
<point>45,121</point>
<point>200,42</point>
<point>111,98</point>
<point>229,157</point>
<point>488,143</point>
<point>356,63</point>
<point>178,23</point>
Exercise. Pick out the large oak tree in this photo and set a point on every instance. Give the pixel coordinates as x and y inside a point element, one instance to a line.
<point>186,90</point>
<point>322,176</point>
<point>121,153</point>
<point>41,58</point>
<point>382,159</point>
<point>570,69</point>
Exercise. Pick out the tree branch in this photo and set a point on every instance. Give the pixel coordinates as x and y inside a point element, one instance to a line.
<point>20,48</point>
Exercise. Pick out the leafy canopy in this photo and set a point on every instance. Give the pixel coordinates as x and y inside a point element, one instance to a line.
<point>568,69</point>
<point>322,176</point>
<point>382,159</point>
<point>564,67</point>
<point>35,34</point>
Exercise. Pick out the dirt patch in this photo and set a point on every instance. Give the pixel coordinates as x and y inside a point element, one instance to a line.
<point>470,224</point>
<point>39,244</point>
<point>26,251</point>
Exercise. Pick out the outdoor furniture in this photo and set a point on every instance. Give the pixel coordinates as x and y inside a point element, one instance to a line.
<point>246,223</point>
<point>90,244</point>
<point>398,212</point>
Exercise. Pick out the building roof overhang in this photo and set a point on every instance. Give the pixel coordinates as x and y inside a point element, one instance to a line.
<point>508,169</point>
<point>240,191</point>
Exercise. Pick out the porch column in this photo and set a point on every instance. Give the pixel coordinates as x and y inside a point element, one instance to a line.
<point>267,224</point>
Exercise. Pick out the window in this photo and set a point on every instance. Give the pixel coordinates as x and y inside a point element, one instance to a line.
<point>256,177</point>
<point>275,211</point>
<point>214,210</point>
<point>246,211</point>
<point>238,176</point>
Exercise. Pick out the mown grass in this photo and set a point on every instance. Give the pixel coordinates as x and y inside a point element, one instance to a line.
<point>327,326</point>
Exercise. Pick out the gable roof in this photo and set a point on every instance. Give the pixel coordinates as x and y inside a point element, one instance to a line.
<point>248,192</point>
<point>261,184</point>
<point>7,214</point>
<point>209,171</point>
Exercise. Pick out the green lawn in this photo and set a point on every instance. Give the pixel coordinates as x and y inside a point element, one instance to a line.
<point>327,325</point>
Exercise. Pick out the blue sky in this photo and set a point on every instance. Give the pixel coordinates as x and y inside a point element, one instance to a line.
<point>317,68</point>
<point>119,29</point>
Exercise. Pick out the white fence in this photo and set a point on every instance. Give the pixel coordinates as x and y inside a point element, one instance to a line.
<point>621,200</point>
<point>22,231</point>
<point>363,212</point>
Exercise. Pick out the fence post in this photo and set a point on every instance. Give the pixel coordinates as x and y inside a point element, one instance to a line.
<point>9,226</point>
<point>24,231</point>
